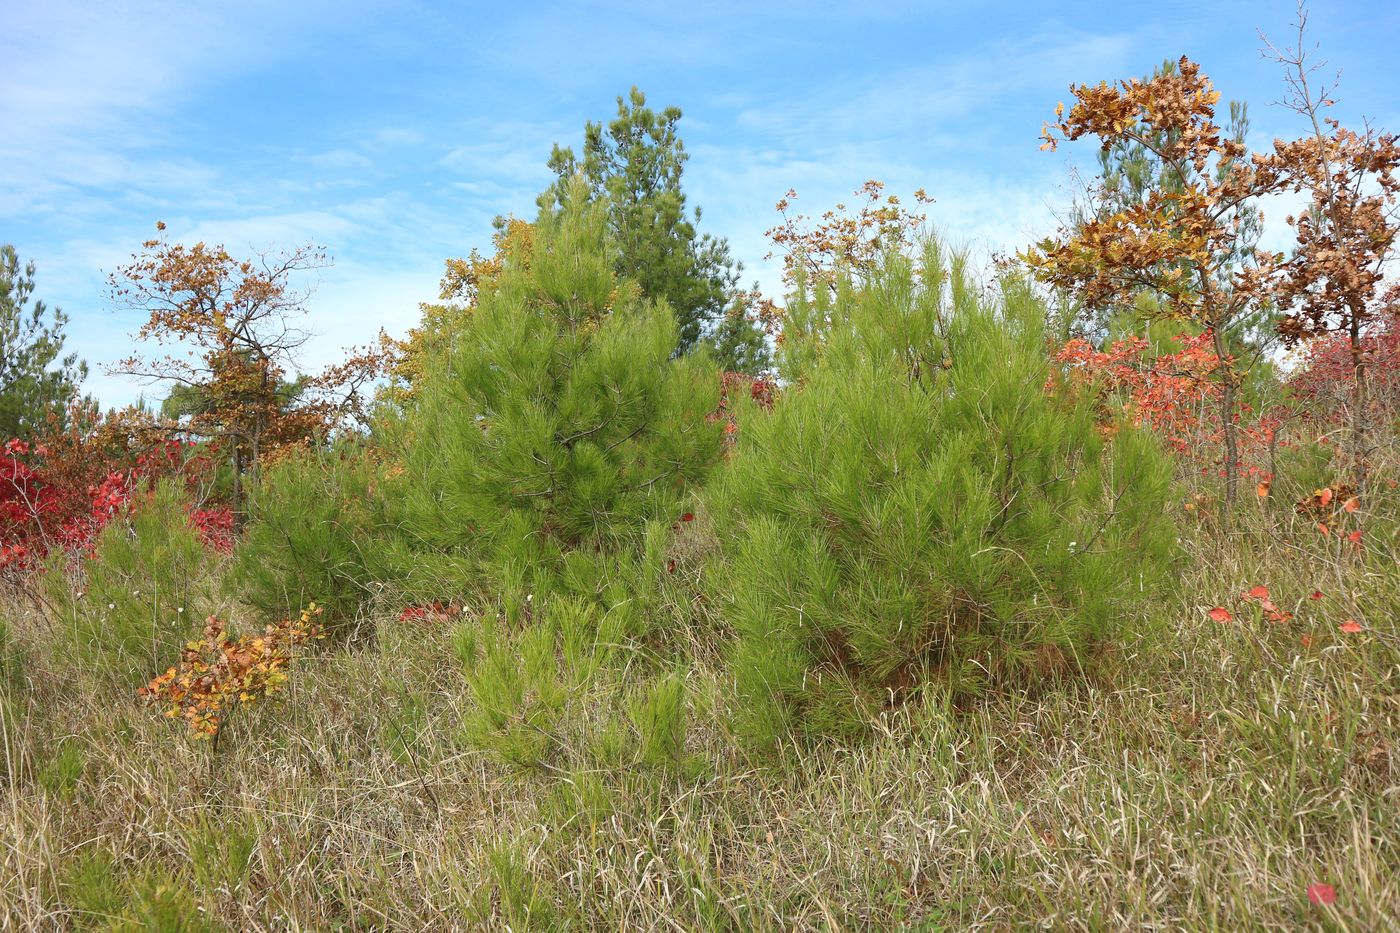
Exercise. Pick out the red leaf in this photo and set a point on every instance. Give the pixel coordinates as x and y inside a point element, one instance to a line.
<point>1258,592</point>
<point>1220,614</point>
<point>1324,496</point>
<point>1315,594</point>
<point>1323,528</point>
<point>1350,626</point>
<point>1351,505</point>
<point>1354,537</point>
<point>687,517</point>
<point>1322,893</point>
<point>1307,641</point>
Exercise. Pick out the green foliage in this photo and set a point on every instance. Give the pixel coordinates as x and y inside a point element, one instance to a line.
<point>524,679</point>
<point>221,850</point>
<point>63,769</point>
<point>923,510</point>
<point>11,661</point>
<point>34,378</point>
<point>521,900</point>
<point>316,523</point>
<point>634,166</point>
<point>92,888</point>
<point>147,587</point>
<point>559,424</point>
<point>196,401</point>
<point>104,898</point>
<point>12,695</point>
<point>582,800</point>
<point>738,344</point>
<point>658,713</point>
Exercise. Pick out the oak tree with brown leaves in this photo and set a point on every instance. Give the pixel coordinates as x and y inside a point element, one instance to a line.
<point>237,321</point>
<point>846,239</point>
<point>1334,285</point>
<point>1181,243</point>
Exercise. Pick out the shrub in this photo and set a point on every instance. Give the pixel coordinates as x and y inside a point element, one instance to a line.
<point>658,713</point>
<point>559,423</point>
<point>101,896</point>
<point>315,522</point>
<point>218,673</point>
<point>132,604</point>
<point>927,507</point>
<point>59,490</point>
<point>524,680</point>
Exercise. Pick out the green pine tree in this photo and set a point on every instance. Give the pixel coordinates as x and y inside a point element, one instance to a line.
<point>634,165</point>
<point>559,423</point>
<point>34,376</point>
<point>544,456</point>
<point>315,525</point>
<point>737,343</point>
<point>919,508</point>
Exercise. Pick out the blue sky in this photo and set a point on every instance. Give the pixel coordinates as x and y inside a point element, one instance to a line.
<point>392,133</point>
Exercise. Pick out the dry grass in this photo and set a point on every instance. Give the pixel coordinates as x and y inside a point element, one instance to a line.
<point>1204,784</point>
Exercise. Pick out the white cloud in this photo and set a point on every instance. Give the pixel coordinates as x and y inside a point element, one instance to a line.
<point>339,159</point>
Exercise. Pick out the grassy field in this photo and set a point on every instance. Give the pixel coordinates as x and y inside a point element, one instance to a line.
<point>1212,775</point>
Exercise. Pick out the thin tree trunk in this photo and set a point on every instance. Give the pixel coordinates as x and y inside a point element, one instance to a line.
<point>237,486</point>
<point>1227,423</point>
<point>1360,428</point>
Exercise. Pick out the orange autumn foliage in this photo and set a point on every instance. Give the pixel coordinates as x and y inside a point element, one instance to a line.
<point>238,319</point>
<point>1183,245</point>
<point>217,673</point>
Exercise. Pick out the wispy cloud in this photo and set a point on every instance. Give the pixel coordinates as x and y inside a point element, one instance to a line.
<point>393,134</point>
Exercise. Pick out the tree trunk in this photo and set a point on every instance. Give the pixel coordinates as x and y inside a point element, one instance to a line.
<point>237,505</point>
<point>1227,423</point>
<point>1360,428</point>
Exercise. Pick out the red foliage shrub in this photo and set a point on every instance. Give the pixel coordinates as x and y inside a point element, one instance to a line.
<point>430,612</point>
<point>1323,387</point>
<point>215,527</point>
<point>1176,395</point>
<point>58,493</point>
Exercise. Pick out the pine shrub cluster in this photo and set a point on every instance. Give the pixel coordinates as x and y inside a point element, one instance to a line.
<point>925,508</point>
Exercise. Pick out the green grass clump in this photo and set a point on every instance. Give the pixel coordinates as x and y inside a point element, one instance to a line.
<point>148,585</point>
